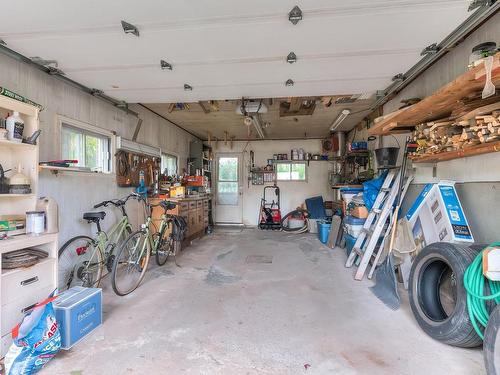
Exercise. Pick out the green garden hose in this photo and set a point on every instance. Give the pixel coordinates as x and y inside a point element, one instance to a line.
<point>474,283</point>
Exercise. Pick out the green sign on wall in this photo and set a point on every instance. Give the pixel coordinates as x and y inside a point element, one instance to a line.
<point>13,95</point>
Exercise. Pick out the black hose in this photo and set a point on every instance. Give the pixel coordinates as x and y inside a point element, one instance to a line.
<point>301,229</point>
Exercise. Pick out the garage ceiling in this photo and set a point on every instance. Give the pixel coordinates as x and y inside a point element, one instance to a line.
<point>201,119</point>
<point>228,49</point>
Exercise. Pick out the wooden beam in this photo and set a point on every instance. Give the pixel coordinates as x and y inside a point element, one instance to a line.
<point>137,129</point>
<point>205,109</point>
<point>171,107</point>
<point>483,148</point>
<point>295,104</point>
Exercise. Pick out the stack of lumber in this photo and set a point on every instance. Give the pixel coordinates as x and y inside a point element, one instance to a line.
<point>460,131</point>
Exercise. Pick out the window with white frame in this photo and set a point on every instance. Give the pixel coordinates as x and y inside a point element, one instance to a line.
<point>89,145</point>
<point>168,164</point>
<point>291,171</point>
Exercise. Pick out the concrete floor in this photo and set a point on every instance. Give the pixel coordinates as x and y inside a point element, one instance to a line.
<point>225,312</point>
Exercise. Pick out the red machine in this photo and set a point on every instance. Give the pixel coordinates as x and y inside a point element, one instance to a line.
<point>270,211</point>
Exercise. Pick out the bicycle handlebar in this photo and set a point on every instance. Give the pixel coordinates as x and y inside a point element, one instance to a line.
<point>118,202</point>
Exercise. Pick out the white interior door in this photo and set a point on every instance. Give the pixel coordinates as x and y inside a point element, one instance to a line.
<point>229,189</point>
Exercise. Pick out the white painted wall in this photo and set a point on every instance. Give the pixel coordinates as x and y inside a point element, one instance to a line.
<point>293,194</point>
<point>76,192</point>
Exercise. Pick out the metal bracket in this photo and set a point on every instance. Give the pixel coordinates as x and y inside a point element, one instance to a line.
<point>128,28</point>
<point>474,4</point>
<point>398,77</point>
<point>289,82</point>
<point>295,15</point>
<point>291,58</point>
<point>55,71</point>
<point>430,50</point>
<point>2,42</point>
<point>96,92</point>
<point>165,65</point>
<point>188,87</point>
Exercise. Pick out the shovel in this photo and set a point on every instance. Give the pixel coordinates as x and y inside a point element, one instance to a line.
<point>386,285</point>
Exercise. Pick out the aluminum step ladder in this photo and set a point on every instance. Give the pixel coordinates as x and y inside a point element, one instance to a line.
<point>373,227</point>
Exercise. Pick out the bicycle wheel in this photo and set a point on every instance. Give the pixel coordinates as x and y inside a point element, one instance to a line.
<point>130,264</point>
<point>163,249</point>
<point>80,264</point>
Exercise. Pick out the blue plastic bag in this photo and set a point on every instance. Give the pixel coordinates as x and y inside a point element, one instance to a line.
<point>371,189</point>
<point>36,341</point>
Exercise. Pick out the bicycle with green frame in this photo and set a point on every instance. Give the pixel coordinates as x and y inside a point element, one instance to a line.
<point>82,259</point>
<point>132,258</point>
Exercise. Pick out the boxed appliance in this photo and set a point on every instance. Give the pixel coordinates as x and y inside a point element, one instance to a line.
<point>78,312</point>
<point>437,216</point>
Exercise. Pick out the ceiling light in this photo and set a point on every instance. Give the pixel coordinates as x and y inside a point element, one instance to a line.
<point>251,106</point>
<point>128,28</point>
<point>188,87</point>
<point>291,58</point>
<point>295,15</point>
<point>340,118</point>
<point>289,82</point>
<point>165,65</point>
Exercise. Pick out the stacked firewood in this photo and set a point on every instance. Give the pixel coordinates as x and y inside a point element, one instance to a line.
<point>473,128</point>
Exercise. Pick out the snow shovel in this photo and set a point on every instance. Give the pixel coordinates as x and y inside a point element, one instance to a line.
<point>386,285</point>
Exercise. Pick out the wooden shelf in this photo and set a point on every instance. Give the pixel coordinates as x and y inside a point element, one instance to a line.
<point>10,144</point>
<point>24,241</point>
<point>16,195</point>
<point>438,105</point>
<point>55,170</point>
<point>484,148</point>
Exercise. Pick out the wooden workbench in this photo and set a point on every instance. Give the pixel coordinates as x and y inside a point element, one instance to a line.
<point>193,209</point>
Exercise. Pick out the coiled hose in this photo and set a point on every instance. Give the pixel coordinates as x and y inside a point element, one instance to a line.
<point>474,283</point>
<point>303,229</point>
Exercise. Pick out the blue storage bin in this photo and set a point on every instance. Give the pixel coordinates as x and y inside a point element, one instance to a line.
<point>349,243</point>
<point>353,225</point>
<point>324,231</point>
<point>78,312</point>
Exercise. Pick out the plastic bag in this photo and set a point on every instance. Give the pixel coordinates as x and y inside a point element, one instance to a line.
<point>489,87</point>
<point>371,189</point>
<point>36,341</point>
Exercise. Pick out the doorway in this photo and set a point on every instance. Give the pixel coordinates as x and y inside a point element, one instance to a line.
<point>229,189</point>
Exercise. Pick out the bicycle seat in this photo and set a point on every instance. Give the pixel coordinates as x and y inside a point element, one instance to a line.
<point>168,205</point>
<point>94,216</point>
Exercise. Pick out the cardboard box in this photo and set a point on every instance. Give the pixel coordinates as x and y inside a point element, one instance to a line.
<point>437,216</point>
<point>78,312</point>
<point>361,212</point>
<point>177,191</point>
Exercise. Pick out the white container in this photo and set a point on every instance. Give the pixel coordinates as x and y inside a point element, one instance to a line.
<point>49,206</point>
<point>35,222</point>
<point>15,128</point>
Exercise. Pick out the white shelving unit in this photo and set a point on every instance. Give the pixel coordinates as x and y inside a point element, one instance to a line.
<point>21,288</point>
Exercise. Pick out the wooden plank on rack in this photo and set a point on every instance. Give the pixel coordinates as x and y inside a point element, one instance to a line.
<point>480,149</point>
<point>442,102</point>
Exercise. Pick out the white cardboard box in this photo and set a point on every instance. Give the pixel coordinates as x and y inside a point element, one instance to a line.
<point>437,216</point>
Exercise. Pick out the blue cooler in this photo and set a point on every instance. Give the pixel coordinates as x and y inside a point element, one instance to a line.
<point>353,225</point>
<point>324,231</point>
<point>78,312</point>
<point>350,241</point>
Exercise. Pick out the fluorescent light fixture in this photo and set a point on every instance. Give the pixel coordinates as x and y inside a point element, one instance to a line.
<point>289,82</point>
<point>139,148</point>
<point>188,87</point>
<point>291,58</point>
<point>295,15</point>
<point>258,127</point>
<point>340,118</point>
<point>165,65</point>
<point>128,28</point>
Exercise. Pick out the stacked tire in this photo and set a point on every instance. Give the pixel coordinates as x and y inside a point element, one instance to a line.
<point>491,347</point>
<point>437,295</point>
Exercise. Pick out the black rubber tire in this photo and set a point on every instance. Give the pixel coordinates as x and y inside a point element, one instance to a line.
<point>116,263</point>
<point>98,253</point>
<point>491,345</point>
<point>429,267</point>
